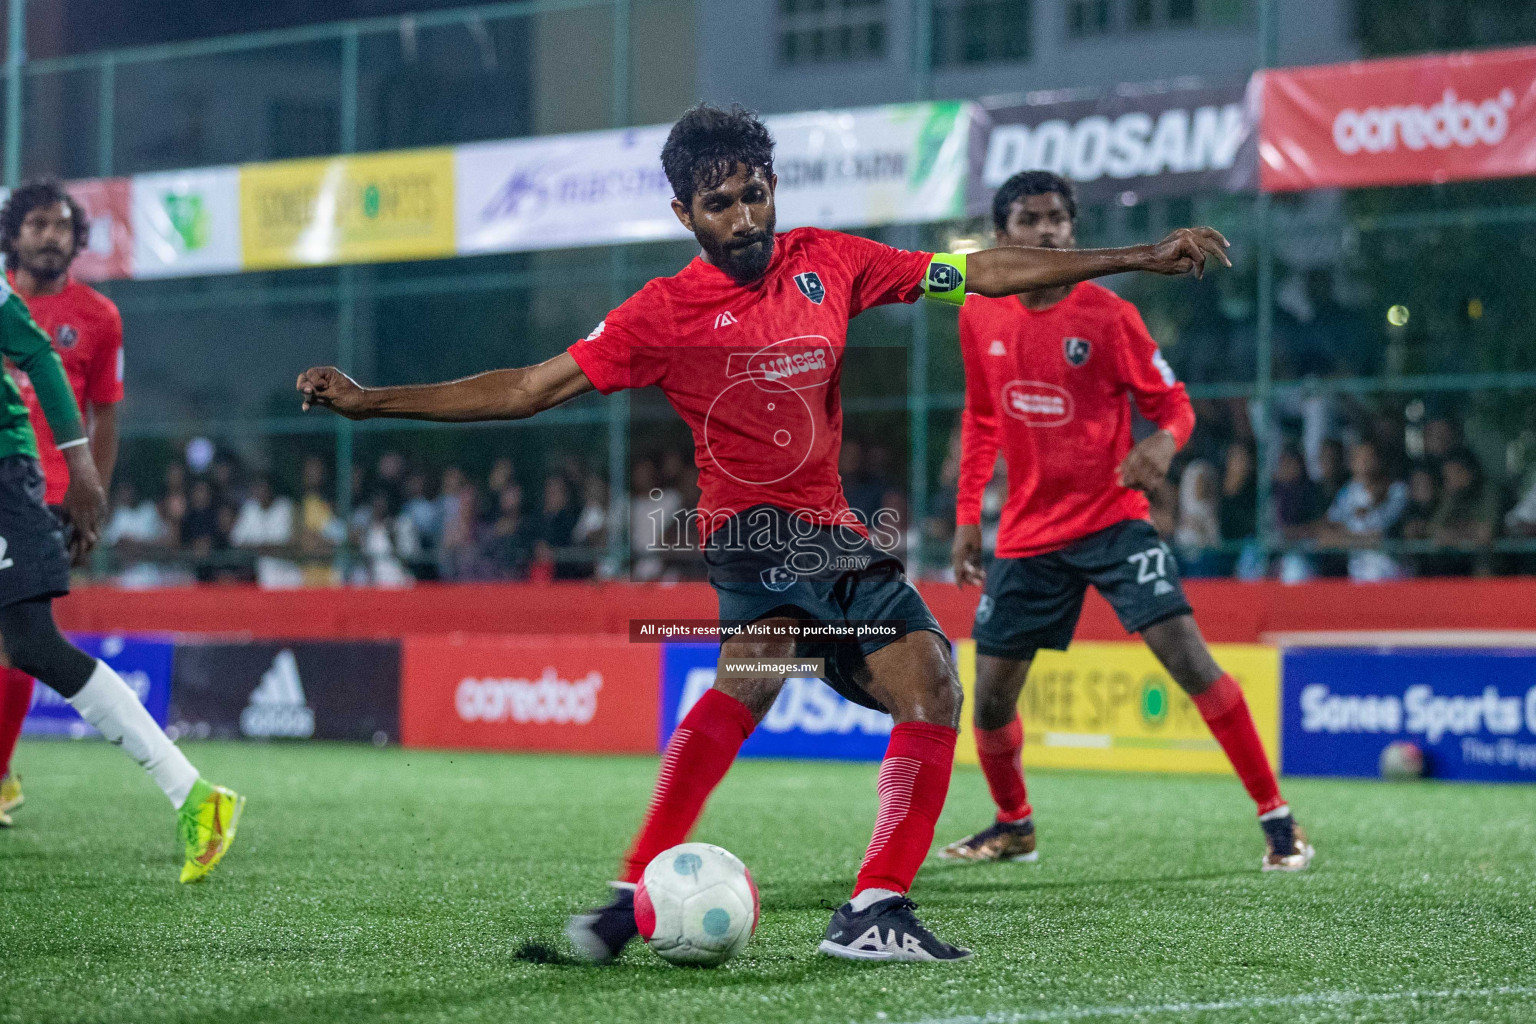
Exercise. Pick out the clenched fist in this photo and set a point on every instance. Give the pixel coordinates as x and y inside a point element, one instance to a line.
<point>1186,250</point>
<point>329,388</point>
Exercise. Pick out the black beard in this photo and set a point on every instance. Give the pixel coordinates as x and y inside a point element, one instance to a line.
<point>744,264</point>
<point>43,268</point>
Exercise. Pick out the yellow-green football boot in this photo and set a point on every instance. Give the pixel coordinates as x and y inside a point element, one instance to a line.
<point>207,823</point>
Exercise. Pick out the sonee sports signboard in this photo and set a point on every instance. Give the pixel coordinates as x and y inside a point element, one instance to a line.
<point>1471,710</point>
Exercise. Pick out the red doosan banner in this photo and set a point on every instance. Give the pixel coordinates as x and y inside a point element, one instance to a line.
<point>1417,120</point>
<point>530,693</point>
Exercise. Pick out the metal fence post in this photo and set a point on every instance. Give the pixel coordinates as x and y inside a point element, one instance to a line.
<point>1264,328</point>
<point>346,312</point>
<point>16,56</point>
<point>618,266</point>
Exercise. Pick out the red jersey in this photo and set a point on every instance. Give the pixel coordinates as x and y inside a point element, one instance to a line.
<point>1050,389</point>
<point>87,334</point>
<point>754,369</point>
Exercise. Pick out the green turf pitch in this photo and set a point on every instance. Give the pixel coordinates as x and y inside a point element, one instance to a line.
<point>390,885</point>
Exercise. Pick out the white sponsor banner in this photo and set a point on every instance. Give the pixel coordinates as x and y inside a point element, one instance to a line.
<point>186,222</point>
<point>904,163</point>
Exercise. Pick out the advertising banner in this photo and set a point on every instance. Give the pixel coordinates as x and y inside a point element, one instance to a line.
<point>143,662</point>
<point>1169,142</point>
<point>1112,705</point>
<point>529,693</point>
<point>904,163</point>
<point>356,209</point>
<point>1414,120</point>
<point>109,250</point>
<point>1471,710</point>
<point>186,222</point>
<point>809,720</point>
<point>324,690</point>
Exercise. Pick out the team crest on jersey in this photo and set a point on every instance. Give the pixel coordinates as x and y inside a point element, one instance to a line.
<point>810,286</point>
<point>66,336</point>
<point>1077,350</point>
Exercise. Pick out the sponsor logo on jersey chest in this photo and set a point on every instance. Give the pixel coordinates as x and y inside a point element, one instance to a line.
<point>1037,403</point>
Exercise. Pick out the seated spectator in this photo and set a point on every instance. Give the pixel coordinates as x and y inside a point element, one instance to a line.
<point>557,526</point>
<point>319,529</point>
<point>458,554</point>
<point>1296,508</point>
<point>509,544</point>
<point>1521,520</point>
<point>1330,474</point>
<point>134,522</point>
<point>591,527</point>
<point>204,527</point>
<point>173,507</point>
<point>265,519</point>
<point>1365,512</point>
<point>1423,497</point>
<point>1198,531</point>
<point>1467,515</point>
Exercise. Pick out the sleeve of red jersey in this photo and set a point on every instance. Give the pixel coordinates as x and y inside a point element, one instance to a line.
<point>978,428</point>
<point>881,274</point>
<point>105,386</point>
<point>1158,394</point>
<point>616,355</point>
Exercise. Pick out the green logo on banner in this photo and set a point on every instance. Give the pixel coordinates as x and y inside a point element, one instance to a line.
<point>189,218</point>
<point>1154,700</point>
<point>371,201</point>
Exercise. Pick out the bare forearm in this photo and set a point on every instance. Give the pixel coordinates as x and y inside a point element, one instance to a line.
<point>1010,270</point>
<point>104,442</point>
<point>496,395</point>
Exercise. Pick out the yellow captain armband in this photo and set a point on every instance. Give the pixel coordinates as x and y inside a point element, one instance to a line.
<point>945,280</point>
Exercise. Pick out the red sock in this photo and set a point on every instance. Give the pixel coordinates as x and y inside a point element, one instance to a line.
<point>15,701</point>
<point>697,758</point>
<point>1225,710</point>
<point>1001,753</point>
<point>914,780</point>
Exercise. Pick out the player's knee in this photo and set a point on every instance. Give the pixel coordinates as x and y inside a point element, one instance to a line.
<point>935,695</point>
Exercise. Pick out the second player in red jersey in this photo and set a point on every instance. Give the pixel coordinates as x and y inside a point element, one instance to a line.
<point>1049,387</point>
<point>1050,375</point>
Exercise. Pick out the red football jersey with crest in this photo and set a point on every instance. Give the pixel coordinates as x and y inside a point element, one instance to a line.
<point>87,334</point>
<point>1053,390</point>
<point>754,370</point>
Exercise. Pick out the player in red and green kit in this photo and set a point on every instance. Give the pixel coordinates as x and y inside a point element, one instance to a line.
<point>42,230</point>
<point>1049,379</point>
<point>746,342</point>
<point>34,569</point>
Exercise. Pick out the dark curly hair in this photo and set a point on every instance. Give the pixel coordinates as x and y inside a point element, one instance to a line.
<point>27,197</point>
<point>1031,183</point>
<point>707,143</point>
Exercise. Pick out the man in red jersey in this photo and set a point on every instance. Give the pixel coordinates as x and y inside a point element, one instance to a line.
<point>1047,376</point>
<point>746,342</point>
<point>41,231</point>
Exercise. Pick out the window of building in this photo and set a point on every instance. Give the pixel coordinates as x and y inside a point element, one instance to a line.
<point>1147,14</point>
<point>1088,17</point>
<point>831,31</point>
<point>981,31</point>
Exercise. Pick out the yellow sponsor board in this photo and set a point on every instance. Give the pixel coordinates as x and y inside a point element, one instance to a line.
<point>1112,705</point>
<point>355,209</point>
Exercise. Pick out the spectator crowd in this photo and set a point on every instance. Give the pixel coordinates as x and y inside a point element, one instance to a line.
<point>1374,502</point>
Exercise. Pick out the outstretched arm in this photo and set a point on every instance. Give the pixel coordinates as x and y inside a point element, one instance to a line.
<point>498,395</point>
<point>1010,270</point>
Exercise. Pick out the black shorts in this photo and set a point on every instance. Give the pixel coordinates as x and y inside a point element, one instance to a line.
<point>766,563</point>
<point>33,559</point>
<point>1033,603</point>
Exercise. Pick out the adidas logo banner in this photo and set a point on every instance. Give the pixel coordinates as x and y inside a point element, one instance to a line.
<point>332,690</point>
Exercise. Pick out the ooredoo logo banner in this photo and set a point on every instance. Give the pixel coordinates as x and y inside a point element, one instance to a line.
<point>1417,120</point>
<point>529,693</point>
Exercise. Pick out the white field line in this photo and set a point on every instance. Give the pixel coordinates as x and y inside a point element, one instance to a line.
<point>1301,999</point>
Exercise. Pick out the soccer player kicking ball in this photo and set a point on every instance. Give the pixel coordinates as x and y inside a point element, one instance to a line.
<point>34,569</point>
<point>746,342</point>
<point>42,230</point>
<point>1047,374</point>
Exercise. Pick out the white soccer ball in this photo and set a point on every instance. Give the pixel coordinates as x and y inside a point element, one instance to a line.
<point>696,905</point>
